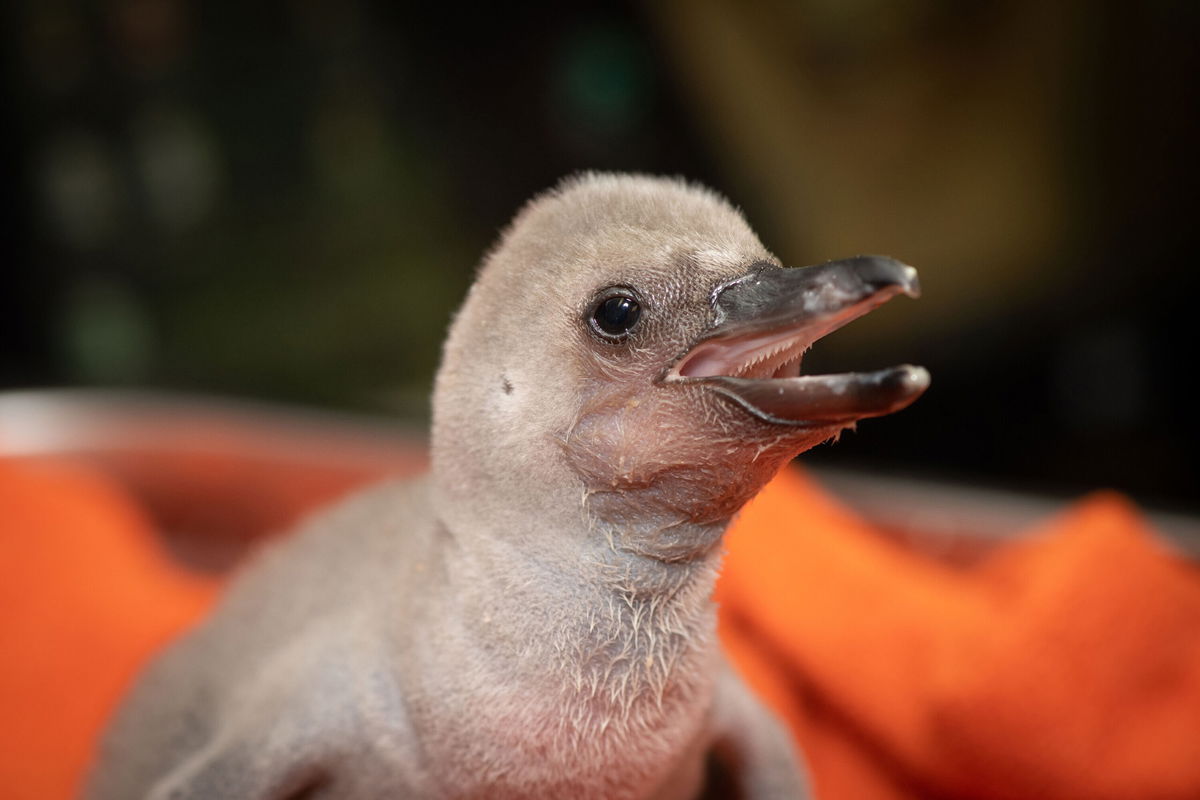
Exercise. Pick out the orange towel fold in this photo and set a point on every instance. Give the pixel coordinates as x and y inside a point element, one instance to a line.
<point>86,594</point>
<point>1064,665</point>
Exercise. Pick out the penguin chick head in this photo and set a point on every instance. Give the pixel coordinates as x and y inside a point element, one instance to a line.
<point>631,352</point>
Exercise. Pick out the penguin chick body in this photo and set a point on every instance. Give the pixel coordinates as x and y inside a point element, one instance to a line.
<point>533,618</point>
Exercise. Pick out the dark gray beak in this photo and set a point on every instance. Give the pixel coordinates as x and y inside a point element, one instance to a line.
<point>766,320</point>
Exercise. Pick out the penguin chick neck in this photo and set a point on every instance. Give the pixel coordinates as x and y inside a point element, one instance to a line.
<point>624,376</point>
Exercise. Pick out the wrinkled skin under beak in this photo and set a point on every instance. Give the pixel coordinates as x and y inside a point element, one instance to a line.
<point>767,319</point>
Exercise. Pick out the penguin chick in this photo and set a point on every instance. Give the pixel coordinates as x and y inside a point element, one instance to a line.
<point>533,618</point>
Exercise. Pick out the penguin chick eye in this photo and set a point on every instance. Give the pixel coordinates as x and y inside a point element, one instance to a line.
<point>615,315</point>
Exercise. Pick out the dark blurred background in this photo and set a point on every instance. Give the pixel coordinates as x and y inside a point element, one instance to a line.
<point>286,201</point>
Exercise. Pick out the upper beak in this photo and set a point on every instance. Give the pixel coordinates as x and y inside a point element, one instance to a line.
<point>766,320</point>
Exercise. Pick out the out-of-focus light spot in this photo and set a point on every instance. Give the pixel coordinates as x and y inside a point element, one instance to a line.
<point>351,145</point>
<point>81,190</point>
<point>105,333</point>
<point>149,35</point>
<point>603,84</point>
<point>179,167</point>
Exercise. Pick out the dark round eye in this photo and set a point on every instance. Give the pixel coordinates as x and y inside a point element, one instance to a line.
<point>615,316</point>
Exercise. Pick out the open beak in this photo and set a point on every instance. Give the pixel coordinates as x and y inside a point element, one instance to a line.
<point>767,319</point>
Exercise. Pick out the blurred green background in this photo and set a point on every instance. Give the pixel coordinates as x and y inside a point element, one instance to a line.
<point>286,200</point>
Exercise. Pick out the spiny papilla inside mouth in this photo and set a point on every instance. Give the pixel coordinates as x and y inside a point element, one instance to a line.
<point>776,354</point>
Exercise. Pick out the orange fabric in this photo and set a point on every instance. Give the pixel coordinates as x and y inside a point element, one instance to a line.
<point>86,593</point>
<point>1065,665</point>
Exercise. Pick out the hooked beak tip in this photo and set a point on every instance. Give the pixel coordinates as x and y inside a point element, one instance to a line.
<point>911,284</point>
